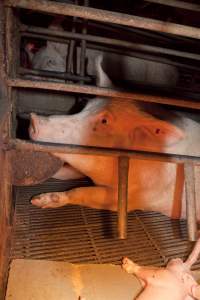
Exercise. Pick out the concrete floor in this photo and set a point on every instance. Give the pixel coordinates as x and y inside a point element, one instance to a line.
<point>51,280</point>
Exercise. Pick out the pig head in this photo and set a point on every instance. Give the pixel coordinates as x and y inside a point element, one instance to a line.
<point>51,57</point>
<point>107,123</point>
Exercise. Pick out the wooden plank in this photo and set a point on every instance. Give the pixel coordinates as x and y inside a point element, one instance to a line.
<point>106,16</point>
<point>5,188</point>
<point>106,92</point>
<point>42,280</point>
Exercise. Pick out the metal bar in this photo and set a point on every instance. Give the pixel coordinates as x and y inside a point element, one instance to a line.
<point>54,74</point>
<point>91,90</point>
<point>190,201</point>
<point>106,16</point>
<point>177,3</point>
<point>75,149</point>
<point>71,47</point>
<point>83,44</point>
<point>108,41</point>
<point>131,53</point>
<point>123,167</point>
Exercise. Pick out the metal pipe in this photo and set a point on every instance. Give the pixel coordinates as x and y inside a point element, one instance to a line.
<point>177,3</point>
<point>105,92</point>
<point>131,53</point>
<point>107,41</point>
<point>106,16</point>
<point>83,44</point>
<point>75,149</point>
<point>190,201</point>
<point>123,167</point>
<point>54,74</point>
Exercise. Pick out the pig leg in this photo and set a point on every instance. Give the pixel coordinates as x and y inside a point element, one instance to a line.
<point>194,255</point>
<point>196,292</point>
<point>68,172</point>
<point>141,272</point>
<point>97,197</point>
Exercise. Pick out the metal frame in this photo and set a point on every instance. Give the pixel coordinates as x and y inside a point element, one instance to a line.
<point>177,3</point>
<point>105,16</point>
<point>123,19</point>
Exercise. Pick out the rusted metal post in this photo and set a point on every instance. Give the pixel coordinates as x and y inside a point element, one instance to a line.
<point>123,167</point>
<point>190,201</point>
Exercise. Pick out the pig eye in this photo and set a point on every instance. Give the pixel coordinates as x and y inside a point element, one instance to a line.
<point>104,121</point>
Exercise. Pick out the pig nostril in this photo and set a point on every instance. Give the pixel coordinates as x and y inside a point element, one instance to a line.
<point>104,121</point>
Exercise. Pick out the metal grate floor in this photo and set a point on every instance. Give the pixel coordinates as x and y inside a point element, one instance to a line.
<point>83,235</point>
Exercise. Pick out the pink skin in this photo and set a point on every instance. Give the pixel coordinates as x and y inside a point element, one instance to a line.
<point>173,282</point>
<point>153,185</point>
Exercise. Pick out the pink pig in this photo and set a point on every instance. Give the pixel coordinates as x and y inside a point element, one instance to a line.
<point>175,282</point>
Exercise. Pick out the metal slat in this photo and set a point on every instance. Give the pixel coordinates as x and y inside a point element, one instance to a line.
<point>152,238</point>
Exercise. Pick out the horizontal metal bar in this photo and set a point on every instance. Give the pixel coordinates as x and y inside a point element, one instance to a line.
<point>75,149</point>
<point>54,74</point>
<point>133,53</point>
<point>177,3</point>
<point>105,92</point>
<point>106,16</point>
<point>108,41</point>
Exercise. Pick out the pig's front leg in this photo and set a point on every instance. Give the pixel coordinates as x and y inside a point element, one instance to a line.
<point>142,273</point>
<point>97,197</point>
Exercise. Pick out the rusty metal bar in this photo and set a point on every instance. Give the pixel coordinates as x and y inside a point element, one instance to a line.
<point>91,90</point>
<point>54,74</point>
<point>190,201</point>
<point>123,167</point>
<point>106,16</point>
<point>71,47</point>
<point>107,41</point>
<point>177,3</point>
<point>66,148</point>
<point>83,44</point>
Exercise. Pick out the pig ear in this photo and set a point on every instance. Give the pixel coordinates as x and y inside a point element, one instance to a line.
<point>102,79</point>
<point>157,132</point>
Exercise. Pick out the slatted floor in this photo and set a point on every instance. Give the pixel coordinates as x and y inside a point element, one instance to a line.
<point>84,235</point>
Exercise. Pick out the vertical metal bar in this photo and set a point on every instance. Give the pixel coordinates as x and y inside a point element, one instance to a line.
<point>83,45</point>
<point>123,167</point>
<point>71,46</point>
<point>190,201</point>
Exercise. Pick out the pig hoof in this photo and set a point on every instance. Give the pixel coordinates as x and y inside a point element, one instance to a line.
<point>128,265</point>
<point>48,200</point>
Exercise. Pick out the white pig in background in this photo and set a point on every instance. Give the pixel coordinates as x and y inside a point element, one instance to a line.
<point>175,282</point>
<point>51,57</point>
<point>116,123</point>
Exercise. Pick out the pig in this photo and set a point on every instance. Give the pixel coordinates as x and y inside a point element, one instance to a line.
<point>173,282</point>
<point>115,123</point>
<point>51,57</point>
